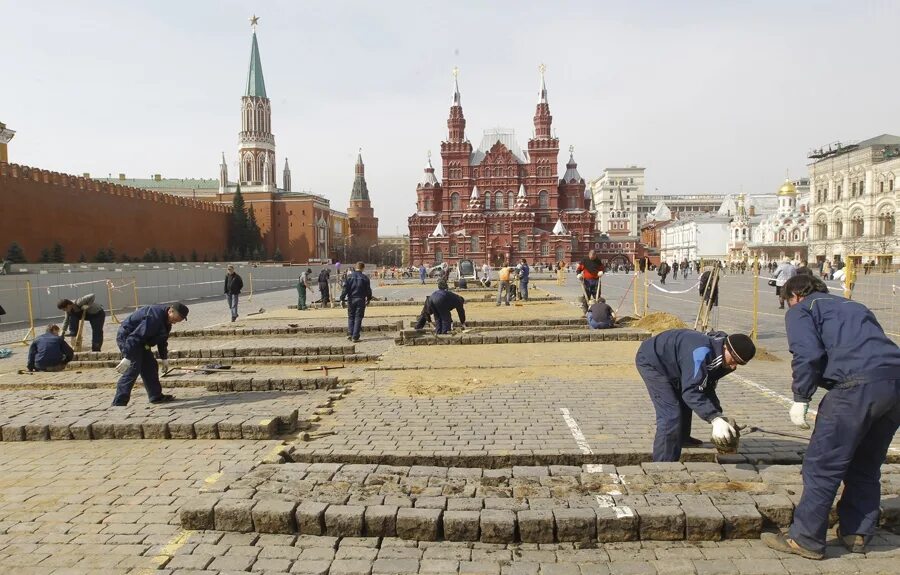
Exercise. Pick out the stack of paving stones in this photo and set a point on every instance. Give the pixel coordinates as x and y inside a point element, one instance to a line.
<point>314,330</point>
<point>196,414</point>
<point>651,501</point>
<point>516,335</point>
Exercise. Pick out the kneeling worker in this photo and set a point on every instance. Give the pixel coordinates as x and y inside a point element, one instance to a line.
<point>600,315</point>
<point>838,345</point>
<point>49,351</point>
<point>443,301</point>
<point>680,368</point>
<point>147,327</point>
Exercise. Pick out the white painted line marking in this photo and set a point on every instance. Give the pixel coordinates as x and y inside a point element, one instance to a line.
<point>576,432</point>
<point>623,512</point>
<point>772,394</point>
<point>605,501</point>
<point>593,468</point>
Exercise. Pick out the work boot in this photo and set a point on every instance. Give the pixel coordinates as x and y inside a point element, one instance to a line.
<point>779,542</point>
<point>854,543</point>
<point>691,442</point>
<point>164,398</point>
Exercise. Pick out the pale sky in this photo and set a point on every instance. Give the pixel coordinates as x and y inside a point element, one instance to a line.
<point>709,96</point>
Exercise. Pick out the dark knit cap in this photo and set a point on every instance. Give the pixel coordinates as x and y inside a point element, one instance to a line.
<point>741,347</point>
<point>442,284</point>
<point>180,309</point>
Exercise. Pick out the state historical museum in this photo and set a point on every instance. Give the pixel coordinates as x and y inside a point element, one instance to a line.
<point>501,203</point>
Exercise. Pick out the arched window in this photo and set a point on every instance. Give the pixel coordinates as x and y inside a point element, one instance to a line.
<point>545,249</point>
<point>796,236</point>
<point>510,200</point>
<point>821,228</point>
<point>454,201</point>
<point>544,199</point>
<point>523,242</point>
<point>886,225</point>
<point>560,254</point>
<point>427,204</point>
<point>439,255</point>
<point>511,172</point>
<point>487,201</point>
<point>857,225</point>
<point>498,201</point>
<point>498,172</point>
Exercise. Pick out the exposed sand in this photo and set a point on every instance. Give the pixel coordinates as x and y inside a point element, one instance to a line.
<point>454,382</point>
<point>655,322</point>
<point>475,310</point>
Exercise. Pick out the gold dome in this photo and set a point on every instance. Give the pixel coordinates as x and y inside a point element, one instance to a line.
<point>787,189</point>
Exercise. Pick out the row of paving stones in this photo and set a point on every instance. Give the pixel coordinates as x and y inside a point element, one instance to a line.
<point>291,329</point>
<point>229,385</point>
<point>504,323</point>
<point>228,352</point>
<point>248,360</point>
<point>195,414</point>
<point>656,501</point>
<point>472,297</point>
<point>423,337</point>
<point>212,553</point>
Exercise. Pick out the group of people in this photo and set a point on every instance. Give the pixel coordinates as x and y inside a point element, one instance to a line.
<point>837,345</point>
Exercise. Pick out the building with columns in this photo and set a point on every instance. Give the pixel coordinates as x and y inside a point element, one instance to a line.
<point>499,202</point>
<point>853,201</point>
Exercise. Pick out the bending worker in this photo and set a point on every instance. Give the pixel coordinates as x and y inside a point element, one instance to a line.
<point>838,345</point>
<point>443,301</point>
<point>147,327</point>
<point>681,368</point>
<point>49,351</point>
<point>93,313</point>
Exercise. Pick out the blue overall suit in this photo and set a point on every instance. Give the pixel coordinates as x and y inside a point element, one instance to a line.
<point>357,292</point>
<point>146,327</point>
<point>838,345</point>
<point>681,368</point>
<point>442,303</point>
<point>49,352</point>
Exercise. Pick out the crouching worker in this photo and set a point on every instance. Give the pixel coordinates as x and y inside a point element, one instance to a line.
<point>681,368</point>
<point>838,345</point>
<point>600,315</point>
<point>443,301</point>
<point>49,351</point>
<point>147,327</point>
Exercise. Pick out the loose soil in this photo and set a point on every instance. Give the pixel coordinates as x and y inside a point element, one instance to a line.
<point>655,322</point>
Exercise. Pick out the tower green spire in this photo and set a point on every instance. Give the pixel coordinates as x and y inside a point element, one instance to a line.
<point>256,85</point>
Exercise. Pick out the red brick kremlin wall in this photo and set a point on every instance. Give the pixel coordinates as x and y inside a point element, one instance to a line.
<point>39,207</point>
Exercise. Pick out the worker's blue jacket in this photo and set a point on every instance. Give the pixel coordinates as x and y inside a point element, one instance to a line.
<point>694,363</point>
<point>146,327</point>
<point>48,350</point>
<point>357,286</point>
<point>444,301</point>
<point>836,342</point>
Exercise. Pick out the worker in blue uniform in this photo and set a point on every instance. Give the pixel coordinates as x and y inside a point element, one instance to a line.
<point>443,301</point>
<point>838,345</point>
<point>357,293</point>
<point>146,327</point>
<point>49,351</point>
<point>681,368</point>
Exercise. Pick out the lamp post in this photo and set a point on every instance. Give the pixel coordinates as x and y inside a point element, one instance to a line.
<point>369,252</point>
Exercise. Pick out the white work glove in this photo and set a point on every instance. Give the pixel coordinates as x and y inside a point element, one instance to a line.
<point>798,414</point>
<point>600,274</point>
<point>165,365</point>
<point>580,277</point>
<point>123,365</point>
<point>722,431</point>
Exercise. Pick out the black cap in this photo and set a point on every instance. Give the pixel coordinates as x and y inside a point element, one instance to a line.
<point>442,284</point>
<point>180,309</point>
<point>741,347</point>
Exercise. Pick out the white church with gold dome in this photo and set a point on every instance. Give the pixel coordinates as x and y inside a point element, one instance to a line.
<point>775,236</point>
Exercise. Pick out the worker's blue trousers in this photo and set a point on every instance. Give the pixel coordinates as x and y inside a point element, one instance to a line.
<point>673,416</point>
<point>854,428</point>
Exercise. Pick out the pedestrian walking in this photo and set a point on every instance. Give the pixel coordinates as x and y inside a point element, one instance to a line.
<point>92,312</point>
<point>304,283</point>
<point>783,273</point>
<point>145,328</point>
<point>503,276</point>
<point>838,345</point>
<point>49,351</point>
<point>663,271</point>
<point>233,286</point>
<point>524,272</point>
<point>357,293</point>
<point>681,368</point>
<point>443,301</point>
